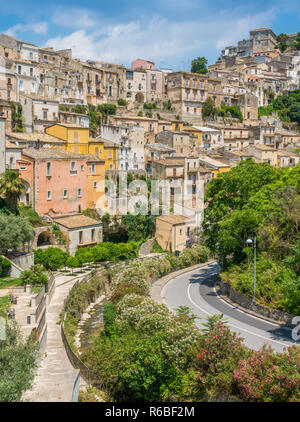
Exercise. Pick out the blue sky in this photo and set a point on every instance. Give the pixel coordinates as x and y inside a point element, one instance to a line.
<point>169,32</point>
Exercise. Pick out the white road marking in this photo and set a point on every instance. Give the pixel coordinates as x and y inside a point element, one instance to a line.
<point>232,325</point>
<point>243,312</point>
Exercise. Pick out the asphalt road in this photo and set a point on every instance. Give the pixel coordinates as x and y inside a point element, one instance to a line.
<point>194,290</point>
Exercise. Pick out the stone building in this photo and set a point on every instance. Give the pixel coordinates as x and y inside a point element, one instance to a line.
<point>80,231</point>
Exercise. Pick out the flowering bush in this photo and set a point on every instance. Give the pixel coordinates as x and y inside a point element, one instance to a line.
<point>217,357</point>
<point>193,255</point>
<point>270,377</point>
<point>146,314</point>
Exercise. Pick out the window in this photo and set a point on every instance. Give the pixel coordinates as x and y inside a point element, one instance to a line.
<point>80,237</point>
<point>19,69</point>
<point>21,84</point>
<point>48,169</point>
<point>66,193</point>
<point>180,231</point>
<point>79,192</point>
<point>49,195</point>
<point>174,171</point>
<point>92,235</point>
<point>31,71</point>
<point>188,231</point>
<point>76,136</point>
<point>129,75</point>
<point>93,168</point>
<point>95,183</point>
<point>73,165</point>
<point>45,115</point>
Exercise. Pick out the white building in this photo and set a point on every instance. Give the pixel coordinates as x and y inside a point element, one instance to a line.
<point>135,85</point>
<point>131,154</point>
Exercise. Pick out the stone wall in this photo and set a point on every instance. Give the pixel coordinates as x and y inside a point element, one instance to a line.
<point>248,303</point>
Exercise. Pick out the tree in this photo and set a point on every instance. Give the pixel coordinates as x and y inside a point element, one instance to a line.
<point>11,188</point>
<point>34,276</point>
<point>122,102</point>
<point>231,191</point>
<point>17,364</point>
<point>14,232</point>
<point>51,258</point>
<point>5,267</point>
<point>209,109</point>
<point>199,65</point>
<point>282,42</point>
<point>296,43</point>
<point>72,262</point>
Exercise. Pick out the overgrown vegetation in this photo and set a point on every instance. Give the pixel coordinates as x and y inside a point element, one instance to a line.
<point>287,107</point>
<point>17,364</point>
<point>257,200</point>
<point>146,353</point>
<point>16,117</point>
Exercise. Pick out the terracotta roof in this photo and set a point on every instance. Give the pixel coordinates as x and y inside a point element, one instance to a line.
<point>69,125</point>
<point>10,145</point>
<point>53,154</point>
<point>132,117</point>
<point>284,153</point>
<point>264,147</point>
<point>170,163</point>
<point>173,219</point>
<point>43,137</point>
<point>76,221</point>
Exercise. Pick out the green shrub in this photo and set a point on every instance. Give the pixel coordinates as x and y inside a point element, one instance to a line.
<point>109,316</point>
<point>17,364</point>
<point>192,256</point>
<point>51,258</point>
<point>5,267</point>
<point>28,212</point>
<point>122,102</point>
<point>34,276</point>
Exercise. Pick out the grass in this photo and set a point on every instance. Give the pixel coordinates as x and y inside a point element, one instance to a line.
<point>156,248</point>
<point>5,302</point>
<point>5,283</point>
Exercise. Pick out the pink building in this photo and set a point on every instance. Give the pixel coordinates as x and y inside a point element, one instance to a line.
<point>56,180</point>
<point>155,79</point>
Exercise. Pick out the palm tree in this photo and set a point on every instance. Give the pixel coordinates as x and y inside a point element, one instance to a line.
<point>11,188</point>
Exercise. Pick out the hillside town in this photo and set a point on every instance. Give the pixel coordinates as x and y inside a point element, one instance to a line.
<point>111,163</point>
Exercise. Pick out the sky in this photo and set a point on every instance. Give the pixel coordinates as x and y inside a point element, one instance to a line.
<point>169,32</point>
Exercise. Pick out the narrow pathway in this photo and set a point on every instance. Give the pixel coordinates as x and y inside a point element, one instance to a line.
<point>55,376</point>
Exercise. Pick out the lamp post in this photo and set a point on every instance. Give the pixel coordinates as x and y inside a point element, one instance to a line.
<point>250,242</point>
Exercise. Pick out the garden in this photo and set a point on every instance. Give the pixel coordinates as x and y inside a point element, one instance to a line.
<point>147,353</point>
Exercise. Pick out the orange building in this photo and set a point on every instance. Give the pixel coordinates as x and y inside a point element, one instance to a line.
<point>61,181</point>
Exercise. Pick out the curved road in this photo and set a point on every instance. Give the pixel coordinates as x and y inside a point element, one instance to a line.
<point>193,289</point>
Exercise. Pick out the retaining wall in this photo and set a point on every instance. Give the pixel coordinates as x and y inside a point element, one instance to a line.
<point>248,303</point>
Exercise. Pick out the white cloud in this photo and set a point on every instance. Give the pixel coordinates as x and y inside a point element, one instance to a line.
<point>73,18</point>
<point>160,39</point>
<point>37,28</point>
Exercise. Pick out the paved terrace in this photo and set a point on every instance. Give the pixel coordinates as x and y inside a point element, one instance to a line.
<point>55,376</point>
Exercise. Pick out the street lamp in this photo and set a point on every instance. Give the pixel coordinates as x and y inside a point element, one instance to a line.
<point>249,243</point>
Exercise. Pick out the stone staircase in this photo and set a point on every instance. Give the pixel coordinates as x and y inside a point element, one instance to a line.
<point>146,247</point>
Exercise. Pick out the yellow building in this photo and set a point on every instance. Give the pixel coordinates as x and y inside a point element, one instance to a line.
<point>111,155</point>
<point>95,184</point>
<point>77,139</point>
<point>179,126</point>
<point>216,167</point>
<point>193,131</point>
